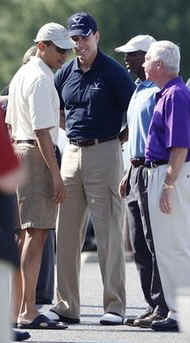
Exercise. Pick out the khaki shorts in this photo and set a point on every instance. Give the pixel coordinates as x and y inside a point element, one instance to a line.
<point>37,209</point>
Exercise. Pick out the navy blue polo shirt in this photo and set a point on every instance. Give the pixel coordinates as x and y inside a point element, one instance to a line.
<point>94,101</point>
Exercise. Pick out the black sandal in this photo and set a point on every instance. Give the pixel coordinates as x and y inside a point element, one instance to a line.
<point>43,323</point>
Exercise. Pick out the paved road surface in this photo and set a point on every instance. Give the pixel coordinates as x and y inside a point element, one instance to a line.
<point>89,331</point>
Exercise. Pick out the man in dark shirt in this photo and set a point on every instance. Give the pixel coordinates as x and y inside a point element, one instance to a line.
<point>134,183</point>
<point>94,91</point>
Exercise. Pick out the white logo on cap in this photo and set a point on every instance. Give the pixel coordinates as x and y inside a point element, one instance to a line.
<point>76,19</point>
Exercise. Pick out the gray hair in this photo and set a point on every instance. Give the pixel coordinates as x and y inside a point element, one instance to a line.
<point>30,52</point>
<point>168,53</point>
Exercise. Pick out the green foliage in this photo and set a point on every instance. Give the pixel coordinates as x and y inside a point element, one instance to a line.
<point>118,21</point>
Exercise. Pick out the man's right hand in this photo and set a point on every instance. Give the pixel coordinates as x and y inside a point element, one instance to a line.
<point>122,186</point>
<point>123,135</point>
<point>48,153</point>
<point>59,189</point>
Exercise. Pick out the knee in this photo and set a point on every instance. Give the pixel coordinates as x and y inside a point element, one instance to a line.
<point>38,236</point>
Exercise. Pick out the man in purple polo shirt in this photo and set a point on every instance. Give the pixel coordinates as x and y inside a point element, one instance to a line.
<point>168,157</point>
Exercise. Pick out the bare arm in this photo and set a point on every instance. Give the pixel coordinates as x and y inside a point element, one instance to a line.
<point>176,161</point>
<point>62,119</point>
<point>47,150</point>
<point>3,99</point>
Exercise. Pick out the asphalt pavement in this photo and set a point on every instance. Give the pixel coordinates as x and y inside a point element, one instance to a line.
<point>89,330</point>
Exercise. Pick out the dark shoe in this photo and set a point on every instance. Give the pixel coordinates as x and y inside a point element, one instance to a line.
<point>66,320</point>
<point>129,321</point>
<point>19,336</point>
<point>43,323</point>
<point>147,321</point>
<point>167,324</point>
<point>132,321</point>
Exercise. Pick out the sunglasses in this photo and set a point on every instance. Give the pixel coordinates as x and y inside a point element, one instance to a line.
<point>57,48</point>
<point>60,50</point>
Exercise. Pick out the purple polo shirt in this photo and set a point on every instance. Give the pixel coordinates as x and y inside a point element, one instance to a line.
<point>170,124</point>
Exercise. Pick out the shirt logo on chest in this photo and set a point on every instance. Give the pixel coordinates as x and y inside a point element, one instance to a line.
<point>96,86</point>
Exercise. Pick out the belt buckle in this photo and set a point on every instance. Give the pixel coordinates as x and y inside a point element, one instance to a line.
<point>96,141</point>
<point>153,164</point>
<point>75,142</point>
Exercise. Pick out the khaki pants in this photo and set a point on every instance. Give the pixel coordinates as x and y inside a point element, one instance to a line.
<point>91,175</point>
<point>171,233</point>
<point>5,277</point>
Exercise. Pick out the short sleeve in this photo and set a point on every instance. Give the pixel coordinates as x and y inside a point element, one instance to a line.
<point>177,120</point>
<point>41,107</point>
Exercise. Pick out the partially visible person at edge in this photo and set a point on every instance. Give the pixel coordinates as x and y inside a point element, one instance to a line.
<point>134,183</point>
<point>33,114</point>
<point>94,91</point>
<point>167,155</point>
<point>10,175</point>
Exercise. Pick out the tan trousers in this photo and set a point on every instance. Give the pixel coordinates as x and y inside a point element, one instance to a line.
<point>171,233</point>
<point>91,175</point>
<point>5,277</point>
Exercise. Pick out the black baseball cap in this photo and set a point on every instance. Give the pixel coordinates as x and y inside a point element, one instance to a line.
<point>81,24</point>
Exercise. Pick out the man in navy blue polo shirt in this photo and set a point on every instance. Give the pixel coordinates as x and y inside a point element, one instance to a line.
<point>94,91</point>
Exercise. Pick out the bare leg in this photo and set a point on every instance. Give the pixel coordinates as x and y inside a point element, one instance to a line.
<point>16,288</point>
<point>30,266</point>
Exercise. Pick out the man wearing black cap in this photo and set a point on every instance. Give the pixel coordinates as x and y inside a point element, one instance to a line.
<point>94,91</point>
<point>134,183</point>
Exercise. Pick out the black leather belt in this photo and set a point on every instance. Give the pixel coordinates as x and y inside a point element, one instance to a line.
<point>155,164</point>
<point>29,141</point>
<point>88,142</point>
<point>138,161</point>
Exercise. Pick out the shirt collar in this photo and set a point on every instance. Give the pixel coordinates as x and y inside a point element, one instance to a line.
<point>37,60</point>
<point>170,83</point>
<point>144,83</point>
<point>98,60</point>
<point>75,66</point>
<point>95,64</point>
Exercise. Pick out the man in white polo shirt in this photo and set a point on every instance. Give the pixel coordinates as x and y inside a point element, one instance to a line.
<point>33,114</point>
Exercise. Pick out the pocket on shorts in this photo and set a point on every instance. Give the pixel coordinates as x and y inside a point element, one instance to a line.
<point>22,150</point>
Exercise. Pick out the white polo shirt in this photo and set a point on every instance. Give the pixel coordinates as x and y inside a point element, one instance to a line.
<point>33,101</point>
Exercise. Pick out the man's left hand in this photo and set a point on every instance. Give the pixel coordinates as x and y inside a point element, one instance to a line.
<point>166,200</point>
